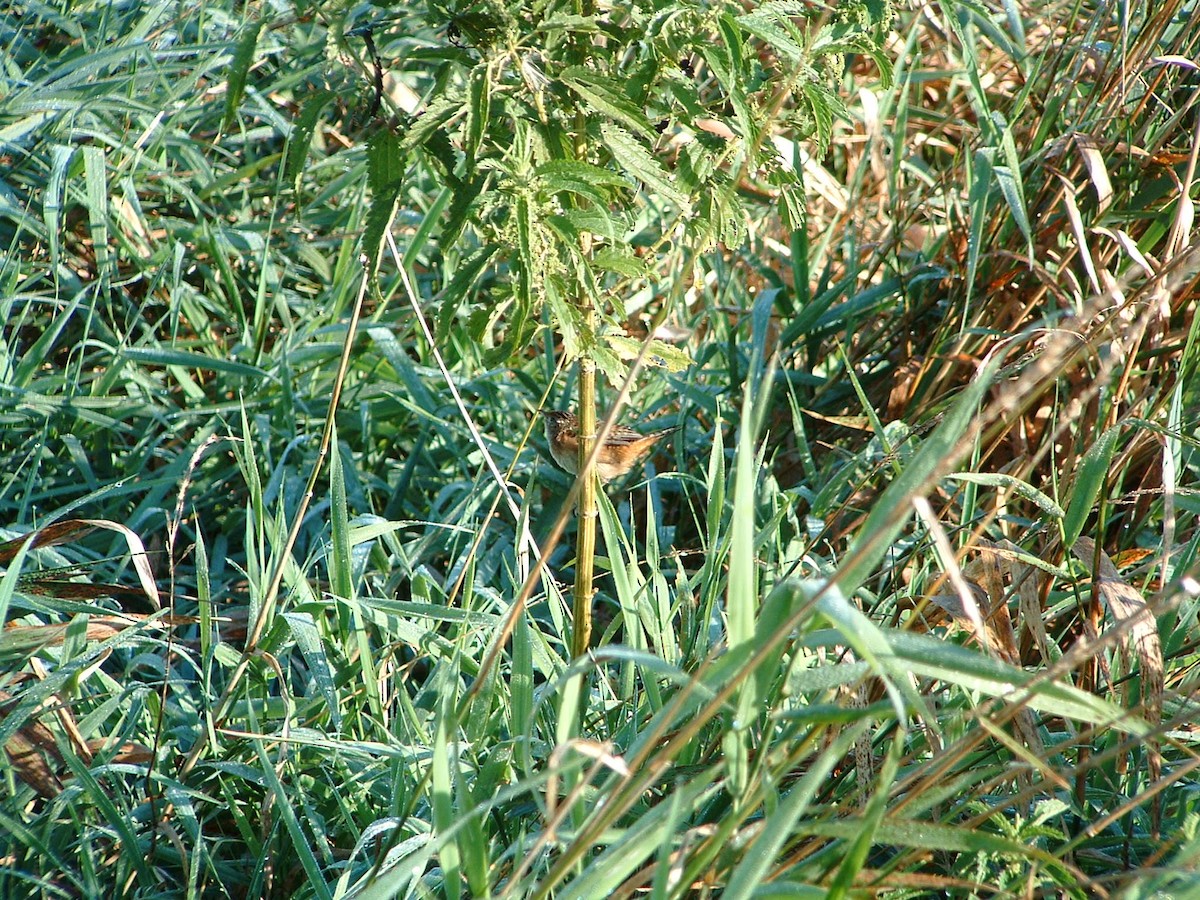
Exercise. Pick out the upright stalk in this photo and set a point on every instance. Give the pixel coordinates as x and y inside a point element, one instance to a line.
<point>585,539</point>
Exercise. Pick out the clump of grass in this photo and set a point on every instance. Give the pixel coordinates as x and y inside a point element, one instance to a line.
<point>906,609</point>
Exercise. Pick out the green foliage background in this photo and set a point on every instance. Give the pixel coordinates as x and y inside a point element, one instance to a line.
<point>888,256</point>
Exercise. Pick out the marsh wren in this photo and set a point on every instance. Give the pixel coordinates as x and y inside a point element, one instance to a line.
<point>621,449</point>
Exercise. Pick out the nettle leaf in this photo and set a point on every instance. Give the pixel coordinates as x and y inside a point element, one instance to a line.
<point>731,49</point>
<point>882,63</point>
<point>386,163</point>
<point>637,161</point>
<point>620,260</point>
<point>570,23</point>
<point>460,286</point>
<point>526,226</point>
<point>792,209</point>
<point>597,221</point>
<point>732,217</point>
<point>608,362</point>
<point>483,319</point>
<point>726,62</point>
<point>518,328</point>
<point>696,163</point>
<point>479,108</point>
<point>607,96</point>
<point>661,354</point>
<point>463,202</point>
<point>684,94</point>
<point>780,34</point>
<point>562,226</point>
<point>569,242</point>
<point>720,217</point>
<point>777,9</point>
<point>640,79</point>
<point>570,176</point>
<point>566,315</point>
<point>834,40</point>
<point>424,125</point>
<point>823,105</point>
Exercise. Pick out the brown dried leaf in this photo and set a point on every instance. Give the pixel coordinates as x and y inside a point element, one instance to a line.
<point>993,564</point>
<point>1130,612</point>
<point>70,530</point>
<point>1133,616</point>
<point>31,750</point>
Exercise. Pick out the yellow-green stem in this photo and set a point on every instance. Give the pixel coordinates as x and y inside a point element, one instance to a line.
<point>585,541</point>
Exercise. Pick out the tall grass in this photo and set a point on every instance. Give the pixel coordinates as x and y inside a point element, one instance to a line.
<point>907,607</point>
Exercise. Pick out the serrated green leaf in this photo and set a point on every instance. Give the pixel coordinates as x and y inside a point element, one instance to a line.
<point>773,32</point>
<point>525,261</point>
<point>564,316</point>
<point>435,116</point>
<point>822,104</point>
<point>607,96</point>
<point>462,282</point>
<point>386,161</point>
<point>635,159</point>
<point>584,179</point>
<point>661,354</point>
<point>725,60</point>
<point>576,171</point>
<point>620,260</point>
<point>385,173</point>
<point>609,363</point>
<point>479,106</point>
<point>595,220</point>
<point>461,206</point>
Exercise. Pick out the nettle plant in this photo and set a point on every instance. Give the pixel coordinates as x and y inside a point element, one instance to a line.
<point>575,140</point>
<point>576,144</point>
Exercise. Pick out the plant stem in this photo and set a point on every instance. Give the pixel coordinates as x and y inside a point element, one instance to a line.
<point>585,539</point>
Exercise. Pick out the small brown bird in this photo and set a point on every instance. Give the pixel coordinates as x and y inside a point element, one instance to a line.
<point>621,450</point>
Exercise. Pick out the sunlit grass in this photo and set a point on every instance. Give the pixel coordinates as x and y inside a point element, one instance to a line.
<point>907,606</point>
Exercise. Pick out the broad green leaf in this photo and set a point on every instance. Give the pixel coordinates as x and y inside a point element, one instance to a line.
<point>670,357</point>
<point>616,258</point>
<point>386,162</point>
<point>607,97</point>
<point>635,159</point>
<point>584,179</point>
<point>478,109</point>
<point>1089,481</point>
<point>775,32</point>
<point>460,285</point>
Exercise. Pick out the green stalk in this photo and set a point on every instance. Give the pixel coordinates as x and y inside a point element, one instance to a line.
<point>585,539</point>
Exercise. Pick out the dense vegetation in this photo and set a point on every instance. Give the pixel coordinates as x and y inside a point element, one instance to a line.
<point>908,604</point>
